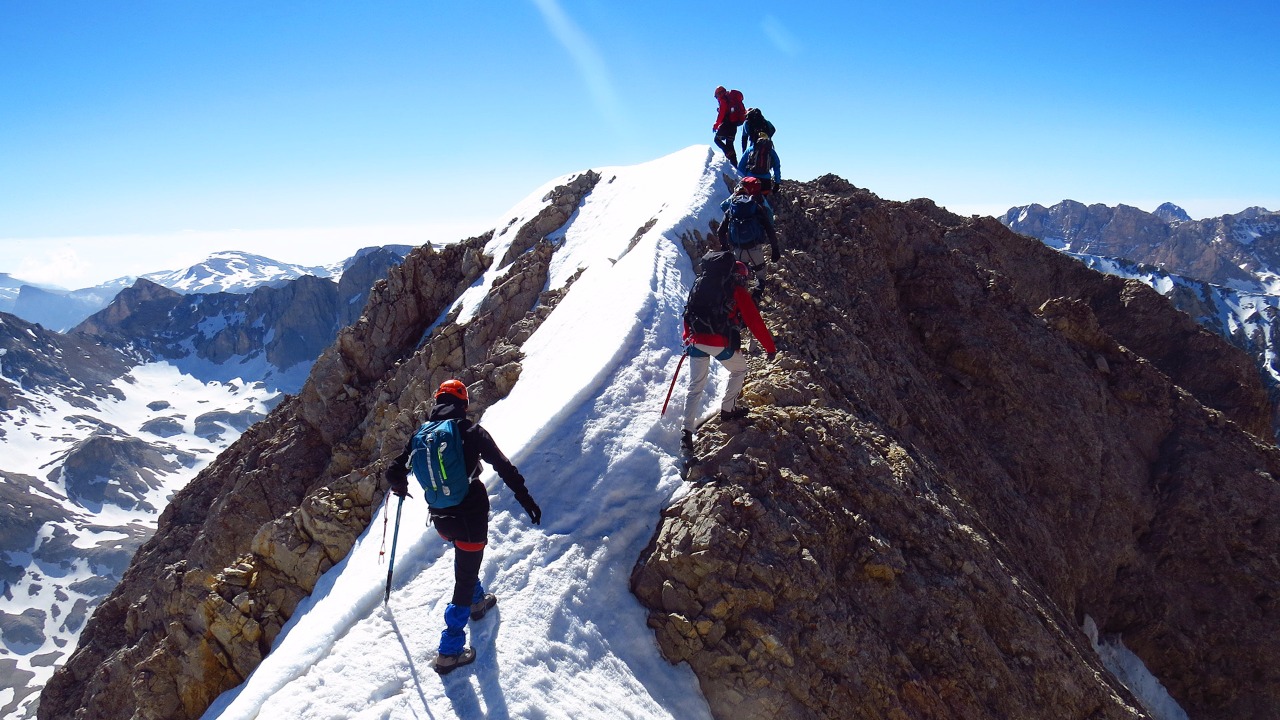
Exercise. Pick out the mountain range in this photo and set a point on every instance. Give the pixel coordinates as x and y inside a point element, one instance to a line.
<point>979,480</point>
<point>101,425</point>
<point>222,272</point>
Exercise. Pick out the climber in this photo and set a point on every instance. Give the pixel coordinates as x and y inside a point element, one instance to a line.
<point>732,114</point>
<point>464,518</point>
<point>754,125</point>
<point>718,307</point>
<point>748,222</point>
<point>760,161</point>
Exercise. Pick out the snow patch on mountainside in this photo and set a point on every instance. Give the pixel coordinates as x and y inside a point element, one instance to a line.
<point>164,427</point>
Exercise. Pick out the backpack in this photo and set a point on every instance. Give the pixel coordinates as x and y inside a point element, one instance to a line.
<point>711,298</point>
<point>438,463</point>
<point>756,124</point>
<point>761,157</point>
<point>746,227</point>
<point>737,111</point>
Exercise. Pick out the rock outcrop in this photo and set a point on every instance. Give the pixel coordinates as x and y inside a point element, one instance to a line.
<point>247,539</point>
<point>33,359</point>
<point>968,444</point>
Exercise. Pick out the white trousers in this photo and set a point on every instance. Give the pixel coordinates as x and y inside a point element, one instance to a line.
<point>700,369</point>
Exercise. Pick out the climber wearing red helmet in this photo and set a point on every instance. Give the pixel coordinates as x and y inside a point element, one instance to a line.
<point>719,336</point>
<point>732,114</point>
<point>465,522</point>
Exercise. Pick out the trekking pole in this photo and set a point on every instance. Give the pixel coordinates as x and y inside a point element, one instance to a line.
<point>395,535</point>
<point>672,386</point>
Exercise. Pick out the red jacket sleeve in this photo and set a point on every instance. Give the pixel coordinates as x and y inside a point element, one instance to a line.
<point>724,110</point>
<point>751,316</point>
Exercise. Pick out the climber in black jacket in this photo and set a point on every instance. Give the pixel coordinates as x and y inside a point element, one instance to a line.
<point>466,524</point>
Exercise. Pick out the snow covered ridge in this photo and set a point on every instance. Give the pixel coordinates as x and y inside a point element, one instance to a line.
<point>900,464</point>
<point>589,270</point>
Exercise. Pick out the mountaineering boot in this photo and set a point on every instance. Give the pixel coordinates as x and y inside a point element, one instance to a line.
<point>686,442</point>
<point>481,606</point>
<point>448,663</point>
<point>734,414</point>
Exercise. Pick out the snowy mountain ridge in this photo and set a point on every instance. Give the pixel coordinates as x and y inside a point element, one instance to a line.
<point>222,272</point>
<point>899,462</point>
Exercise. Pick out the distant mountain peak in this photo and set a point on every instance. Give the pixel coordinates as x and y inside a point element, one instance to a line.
<point>1171,213</point>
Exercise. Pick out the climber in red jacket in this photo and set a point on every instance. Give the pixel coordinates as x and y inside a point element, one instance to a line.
<point>732,114</point>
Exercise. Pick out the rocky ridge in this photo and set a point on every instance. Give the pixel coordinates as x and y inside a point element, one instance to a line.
<point>246,540</point>
<point>951,465</point>
<point>1220,271</point>
<point>969,445</point>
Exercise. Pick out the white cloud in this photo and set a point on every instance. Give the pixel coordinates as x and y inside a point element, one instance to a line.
<point>587,58</point>
<point>85,261</point>
<point>781,38</point>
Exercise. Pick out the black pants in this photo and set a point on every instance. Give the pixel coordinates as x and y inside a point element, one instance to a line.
<point>468,535</point>
<point>725,136</point>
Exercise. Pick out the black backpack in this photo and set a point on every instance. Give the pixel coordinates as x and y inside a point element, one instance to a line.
<point>746,222</point>
<point>761,157</point>
<point>756,124</point>
<point>710,305</point>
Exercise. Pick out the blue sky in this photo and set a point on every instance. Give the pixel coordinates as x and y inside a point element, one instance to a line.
<point>331,125</point>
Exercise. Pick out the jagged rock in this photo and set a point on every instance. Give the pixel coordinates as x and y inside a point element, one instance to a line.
<point>108,468</point>
<point>564,202</point>
<point>939,484</point>
<point>969,443</point>
<point>243,543</point>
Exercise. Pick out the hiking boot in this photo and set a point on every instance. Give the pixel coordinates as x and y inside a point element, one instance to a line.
<point>734,414</point>
<point>446,664</point>
<point>479,609</point>
<point>686,442</point>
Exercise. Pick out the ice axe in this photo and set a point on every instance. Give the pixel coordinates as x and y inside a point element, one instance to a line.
<point>395,535</point>
<point>672,386</point>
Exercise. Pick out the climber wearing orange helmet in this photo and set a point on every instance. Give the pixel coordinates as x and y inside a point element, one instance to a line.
<point>445,453</point>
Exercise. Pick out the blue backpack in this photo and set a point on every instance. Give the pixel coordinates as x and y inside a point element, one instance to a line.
<point>745,224</point>
<point>438,463</point>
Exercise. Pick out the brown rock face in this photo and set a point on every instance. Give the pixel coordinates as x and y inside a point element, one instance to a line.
<point>968,444</point>
<point>247,539</point>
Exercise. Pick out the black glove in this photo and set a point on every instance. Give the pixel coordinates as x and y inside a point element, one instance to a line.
<point>773,253</point>
<point>399,486</point>
<point>531,507</point>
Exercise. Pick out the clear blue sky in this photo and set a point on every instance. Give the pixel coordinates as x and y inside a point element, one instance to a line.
<point>146,118</point>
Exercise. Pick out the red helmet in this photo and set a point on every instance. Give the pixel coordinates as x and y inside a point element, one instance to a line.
<point>454,388</point>
<point>720,90</point>
<point>740,268</point>
<point>751,185</point>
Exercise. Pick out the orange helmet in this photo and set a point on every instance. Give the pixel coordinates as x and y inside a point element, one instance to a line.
<point>454,388</point>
